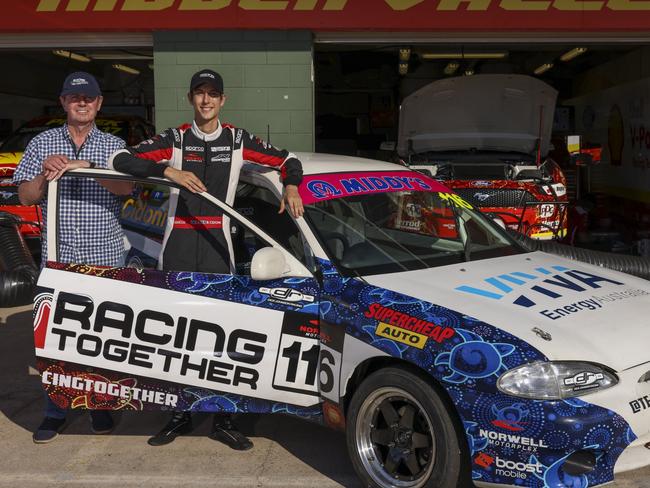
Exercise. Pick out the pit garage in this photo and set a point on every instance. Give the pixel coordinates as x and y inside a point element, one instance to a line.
<point>359,83</point>
<point>33,76</point>
<point>602,91</point>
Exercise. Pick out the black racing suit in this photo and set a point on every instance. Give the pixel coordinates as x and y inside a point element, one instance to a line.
<point>194,237</point>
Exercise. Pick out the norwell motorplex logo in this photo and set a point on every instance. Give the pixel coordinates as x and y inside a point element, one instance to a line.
<point>552,282</point>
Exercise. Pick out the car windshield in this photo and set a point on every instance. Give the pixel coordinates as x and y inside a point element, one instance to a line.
<point>398,231</point>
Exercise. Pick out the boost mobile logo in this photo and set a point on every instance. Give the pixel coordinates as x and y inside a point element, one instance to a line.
<point>554,285</point>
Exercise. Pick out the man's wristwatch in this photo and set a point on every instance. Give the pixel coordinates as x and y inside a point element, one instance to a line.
<point>92,165</point>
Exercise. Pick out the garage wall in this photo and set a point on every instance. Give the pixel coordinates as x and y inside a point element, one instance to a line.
<point>267,77</point>
<point>21,109</point>
<point>629,67</point>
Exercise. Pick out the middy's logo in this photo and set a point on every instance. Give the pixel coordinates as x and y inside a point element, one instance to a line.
<point>554,285</point>
<point>366,184</point>
<point>323,189</point>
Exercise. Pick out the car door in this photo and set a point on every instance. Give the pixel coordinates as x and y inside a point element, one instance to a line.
<point>136,337</point>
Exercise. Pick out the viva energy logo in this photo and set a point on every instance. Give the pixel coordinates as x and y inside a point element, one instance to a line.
<point>527,288</point>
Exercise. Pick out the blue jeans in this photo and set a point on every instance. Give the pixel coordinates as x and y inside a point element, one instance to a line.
<point>52,410</point>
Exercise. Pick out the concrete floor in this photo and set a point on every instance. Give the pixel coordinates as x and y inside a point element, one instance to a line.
<point>288,452</point>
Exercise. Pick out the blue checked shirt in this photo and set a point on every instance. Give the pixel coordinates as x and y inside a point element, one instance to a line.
<point>89,228</point>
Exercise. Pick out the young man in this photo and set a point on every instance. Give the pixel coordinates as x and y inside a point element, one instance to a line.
<point>86,205</point>
<point>205,156</point>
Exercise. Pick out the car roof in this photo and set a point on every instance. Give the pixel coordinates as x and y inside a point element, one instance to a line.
<point>323,163</point>
<point>319,163</point>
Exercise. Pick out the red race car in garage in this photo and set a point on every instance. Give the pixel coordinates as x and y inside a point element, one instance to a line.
<point>487,137</point>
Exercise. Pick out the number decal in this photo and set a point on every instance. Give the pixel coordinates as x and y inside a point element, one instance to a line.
<point>294,355</point>
<point>329,373</point>
<point>454,200</point>
<point>297,364</point>
<point>327,362</point>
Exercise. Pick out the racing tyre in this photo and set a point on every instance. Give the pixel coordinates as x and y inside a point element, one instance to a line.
<point>399,433</point>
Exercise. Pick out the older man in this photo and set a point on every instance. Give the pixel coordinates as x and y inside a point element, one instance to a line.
<point>89,230</point>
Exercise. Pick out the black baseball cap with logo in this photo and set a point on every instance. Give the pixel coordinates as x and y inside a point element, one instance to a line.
<point>208,76</point>
<point>80,83</point>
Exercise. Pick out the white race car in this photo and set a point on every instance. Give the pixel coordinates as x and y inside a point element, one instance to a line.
<point>393,311</point>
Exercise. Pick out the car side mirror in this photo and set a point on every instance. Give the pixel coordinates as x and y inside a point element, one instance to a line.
<point>269,263</point>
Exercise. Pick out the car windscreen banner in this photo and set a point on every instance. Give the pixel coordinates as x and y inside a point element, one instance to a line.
<point>320,187</point>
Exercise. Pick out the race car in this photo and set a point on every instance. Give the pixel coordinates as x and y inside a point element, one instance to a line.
<point>445,352</point>
<point>131,129</point>
<point>500,164</point>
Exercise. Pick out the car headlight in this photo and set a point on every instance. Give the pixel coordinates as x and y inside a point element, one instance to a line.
<point>555,380</point>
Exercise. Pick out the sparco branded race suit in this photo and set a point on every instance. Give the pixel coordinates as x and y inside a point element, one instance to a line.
<point>194,239</point>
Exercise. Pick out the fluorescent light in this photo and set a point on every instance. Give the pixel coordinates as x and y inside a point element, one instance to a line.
<point>543,68</point>
<point>574,53</point>
<point>451,68</point>
<point>463,55</point>
<point>126,69</point>
<point>403,68</point>
<point>103,55</point>
<point>404,54</point>
<point>70,55</point>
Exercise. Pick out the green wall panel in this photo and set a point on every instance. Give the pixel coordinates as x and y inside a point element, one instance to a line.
<point>267,77</point>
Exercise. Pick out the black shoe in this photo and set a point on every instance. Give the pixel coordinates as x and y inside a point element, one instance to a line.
<point>101,422</point>
<point>179,424</point>
<point>224,431</point>
<point>48,430</point>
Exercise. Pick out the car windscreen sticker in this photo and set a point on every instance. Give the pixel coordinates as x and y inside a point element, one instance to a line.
<point>316,188</point>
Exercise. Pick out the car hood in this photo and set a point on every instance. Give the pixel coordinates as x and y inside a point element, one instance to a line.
<point>8,163</point>
<point>588,313</point>
<point>458,114</point>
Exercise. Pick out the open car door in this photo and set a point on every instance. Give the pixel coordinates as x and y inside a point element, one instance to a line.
<point>138,338</point>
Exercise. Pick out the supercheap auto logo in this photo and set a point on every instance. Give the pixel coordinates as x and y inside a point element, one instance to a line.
<point>554,282</point>
<point>405,328</point>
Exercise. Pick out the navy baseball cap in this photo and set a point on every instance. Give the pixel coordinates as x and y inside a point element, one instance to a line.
<point>80,83</point>
<point>207,76</point>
